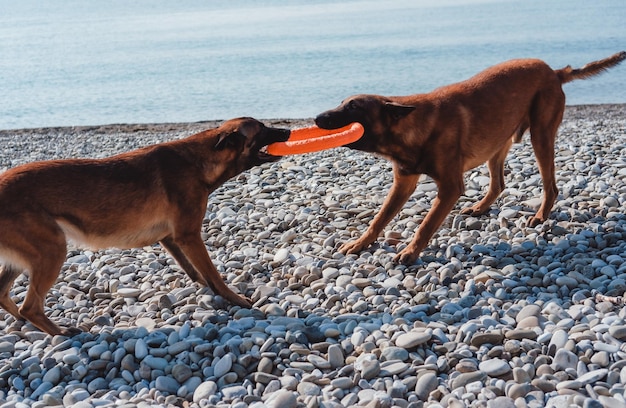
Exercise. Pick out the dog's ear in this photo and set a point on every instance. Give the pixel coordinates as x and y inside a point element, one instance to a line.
<point>228,140</point>
<point>397,111</point>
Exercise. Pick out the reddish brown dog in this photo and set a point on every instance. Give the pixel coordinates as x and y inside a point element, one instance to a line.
<point>158,193</point>
<point>455,128</point>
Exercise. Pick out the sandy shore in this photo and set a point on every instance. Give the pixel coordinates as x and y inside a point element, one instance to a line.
<point>494,314</point>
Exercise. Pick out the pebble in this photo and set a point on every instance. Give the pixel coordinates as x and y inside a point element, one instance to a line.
<point>234,391</point>
<point>335,356</point>
<point>181,372</point>
<point>565,359</point>
<point>204,391</point>
<point>494,313</point>
<point>466,378</point>
<point>371,369</point>
<point>128,292</point>
<point>141,349</point>
<point>6,347</point>
<point>394,353</point>
<point>282,399</point>
<point>618,332</point>
<point>167,384</point>
<point>486,338</point>
<point>308,388</point>
<point>495,367</point>
<point>426,384</point>
<point>413,339</point>
<point>223,365</point>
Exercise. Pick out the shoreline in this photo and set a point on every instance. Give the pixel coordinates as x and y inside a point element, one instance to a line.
<point>571,111</point>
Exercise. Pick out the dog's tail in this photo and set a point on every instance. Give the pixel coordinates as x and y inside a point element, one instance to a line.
<point>568,74</point>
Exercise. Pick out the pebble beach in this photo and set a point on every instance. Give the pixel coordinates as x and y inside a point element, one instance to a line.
<point>494,314</point>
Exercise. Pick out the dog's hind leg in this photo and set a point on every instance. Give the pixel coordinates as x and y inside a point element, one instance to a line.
<point>192,247</point>
<point>545,120</point>
<point>496,182</point>
<point>46,259</point>
<point>402,188</point>
<point>523,127</point>
<point>8,273</point>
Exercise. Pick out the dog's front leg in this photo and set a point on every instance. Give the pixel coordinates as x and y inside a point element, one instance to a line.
<point>402,188</point>
<point>448,194</point>
<point>192,248</point>
<point>170,245</point>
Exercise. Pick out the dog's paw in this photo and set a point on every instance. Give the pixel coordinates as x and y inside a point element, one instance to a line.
<point>534,221</point>
<point>352,247</point>
<point>241,301</point>
<point>70,331</point>
<point>474,210</point>
<point>407,256</point>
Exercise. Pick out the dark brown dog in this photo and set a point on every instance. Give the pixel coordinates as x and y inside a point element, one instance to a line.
<point>158,193</point>
<point>456,128</point>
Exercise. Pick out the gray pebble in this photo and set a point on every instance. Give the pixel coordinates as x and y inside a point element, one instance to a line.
<point>495,367</point>
<point>235,391</point>
<point>426,384</point>
<point>282,399</point>
<point>223,365</point>
<point>308,388</point>
<point>413,339</point>
<point>565,359</point>
<point>204,391</point>
<point>167,384</point>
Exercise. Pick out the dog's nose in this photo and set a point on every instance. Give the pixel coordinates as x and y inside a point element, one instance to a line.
<point>280,135</point>
<point>322,120</point>
<point>285,133</point>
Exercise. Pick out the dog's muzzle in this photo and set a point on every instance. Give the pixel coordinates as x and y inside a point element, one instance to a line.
<point>273,135</point>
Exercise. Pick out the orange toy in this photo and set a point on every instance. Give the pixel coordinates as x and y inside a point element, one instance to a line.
<point>313,139</point>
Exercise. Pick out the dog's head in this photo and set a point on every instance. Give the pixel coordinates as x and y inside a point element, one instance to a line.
<point>376,113</point>
<point>244,141</point>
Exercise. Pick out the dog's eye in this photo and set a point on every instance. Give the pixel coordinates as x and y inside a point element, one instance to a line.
<point>351,105</point>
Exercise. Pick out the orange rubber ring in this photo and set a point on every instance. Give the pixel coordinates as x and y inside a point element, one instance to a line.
<point>313,139</point>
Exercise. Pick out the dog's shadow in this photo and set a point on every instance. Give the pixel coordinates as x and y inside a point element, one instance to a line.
<point>558,259</point>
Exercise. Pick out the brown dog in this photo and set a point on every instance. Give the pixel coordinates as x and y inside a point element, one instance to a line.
<point>158,193</point>
<point>456,128</point>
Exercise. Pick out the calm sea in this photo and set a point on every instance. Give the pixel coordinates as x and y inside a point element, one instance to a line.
<point>86,62</point>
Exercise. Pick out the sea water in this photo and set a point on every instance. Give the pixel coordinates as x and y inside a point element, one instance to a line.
<point>86,62</point>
